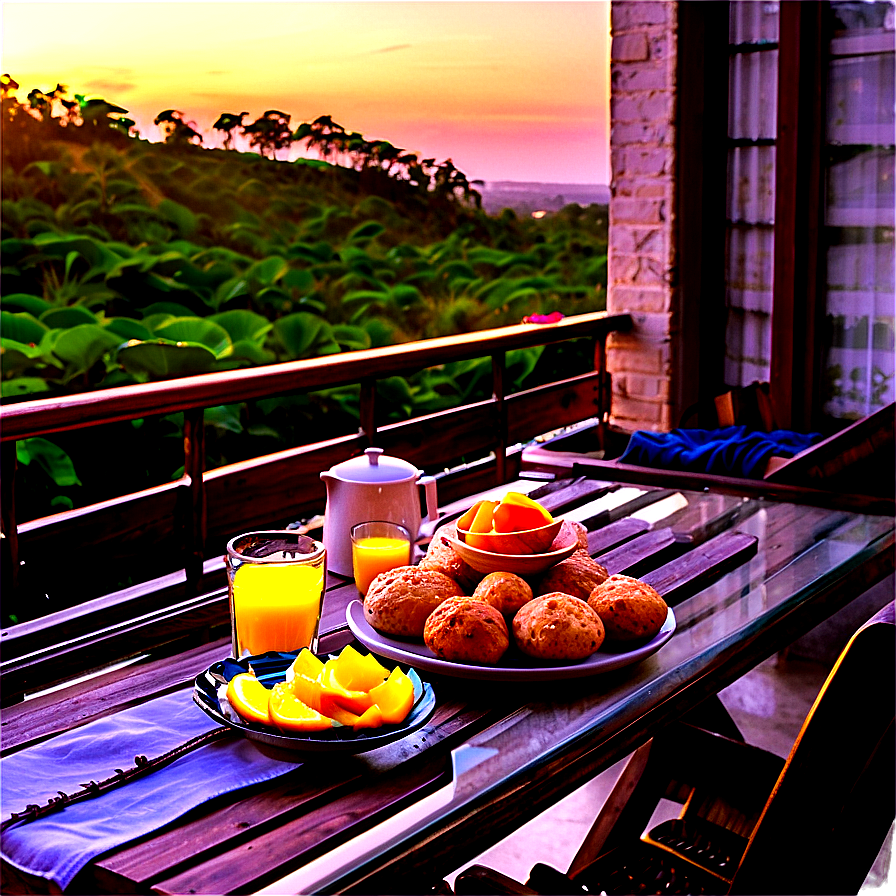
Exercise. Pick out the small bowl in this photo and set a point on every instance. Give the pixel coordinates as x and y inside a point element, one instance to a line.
<point>526,541</point>
<point>564,544</point>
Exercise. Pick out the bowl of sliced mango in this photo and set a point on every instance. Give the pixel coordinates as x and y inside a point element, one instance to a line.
<point>299,701</point>
<point>515,534</point>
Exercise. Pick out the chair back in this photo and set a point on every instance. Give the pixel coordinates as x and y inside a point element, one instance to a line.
<point>835,799</point>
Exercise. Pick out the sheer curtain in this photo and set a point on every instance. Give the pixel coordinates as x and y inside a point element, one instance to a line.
<point>859,211</point>
<point>752,125</point>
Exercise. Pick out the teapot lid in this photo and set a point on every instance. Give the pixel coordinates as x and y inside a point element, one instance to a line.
<point>375,466</point>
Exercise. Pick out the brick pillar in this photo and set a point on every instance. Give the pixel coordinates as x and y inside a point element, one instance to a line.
<point>641,250</point>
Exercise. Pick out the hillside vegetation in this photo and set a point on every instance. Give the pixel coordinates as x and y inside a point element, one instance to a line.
<point>126,261</point>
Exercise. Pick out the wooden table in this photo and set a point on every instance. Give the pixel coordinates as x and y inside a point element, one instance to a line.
<point>745,577</point>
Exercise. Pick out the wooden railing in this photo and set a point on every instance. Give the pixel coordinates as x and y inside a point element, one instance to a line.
<point>184,525</point>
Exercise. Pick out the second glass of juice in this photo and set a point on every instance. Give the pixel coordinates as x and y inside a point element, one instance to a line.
<point>378,546</point>
<point>276,581</point>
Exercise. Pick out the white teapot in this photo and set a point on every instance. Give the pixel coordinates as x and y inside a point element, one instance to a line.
<point>372,487</point>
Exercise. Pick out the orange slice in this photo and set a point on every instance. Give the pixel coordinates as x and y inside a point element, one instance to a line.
<point>290,714</point>
<point>249,697</point>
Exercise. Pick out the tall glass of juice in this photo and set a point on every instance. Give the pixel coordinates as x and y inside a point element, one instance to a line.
<point>276,581</point>
<point>378,546</point>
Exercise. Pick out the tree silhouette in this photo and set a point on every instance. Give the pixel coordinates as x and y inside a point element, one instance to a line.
<point>228,122</point>
<point>323,135</point>
<point>177,131</point>
<point>270,132</point>
<point>97,113</point>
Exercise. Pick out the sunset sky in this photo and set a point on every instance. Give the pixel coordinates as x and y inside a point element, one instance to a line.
<point>507,90</point>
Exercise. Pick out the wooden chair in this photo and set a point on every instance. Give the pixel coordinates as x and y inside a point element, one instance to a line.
<point>751,822</point>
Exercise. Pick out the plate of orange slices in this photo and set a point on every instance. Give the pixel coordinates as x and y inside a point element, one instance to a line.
<point>298,701</point>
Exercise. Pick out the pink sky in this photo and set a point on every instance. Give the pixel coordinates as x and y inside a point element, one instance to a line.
<point>507,90</point>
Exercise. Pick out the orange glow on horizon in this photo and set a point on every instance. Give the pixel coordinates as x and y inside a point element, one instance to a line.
<point>507,90</point>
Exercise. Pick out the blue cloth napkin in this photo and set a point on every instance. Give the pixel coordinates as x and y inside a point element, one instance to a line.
<point>731,451</point>
<point>57,847</point>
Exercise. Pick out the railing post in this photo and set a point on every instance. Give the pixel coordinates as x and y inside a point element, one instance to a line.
<point>196,526</point>
<point>8,525</point>
<point>604,389</point>
<point>499,380</point>
<point>367,410</point>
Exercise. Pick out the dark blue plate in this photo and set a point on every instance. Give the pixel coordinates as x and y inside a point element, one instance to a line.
<point>270,668</point>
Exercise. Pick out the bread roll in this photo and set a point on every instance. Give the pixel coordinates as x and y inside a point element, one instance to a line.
<point>399,601</point>
<point>558,627</point>
<point>577,575</point>
<point>441,557</point>
<point>631,610</point>
<point>467,630</point>
<point>505,591</point>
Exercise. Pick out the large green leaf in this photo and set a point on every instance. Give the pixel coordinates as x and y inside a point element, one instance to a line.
<point>161,359</point>
<point>21,327</point>
<point>24,302</point>
<point>242,325</point>
<point>305,335</point>
<point>381,332</point>
<point>16,357</point>
<point>175,309</point>
<point>201,331</point>
<point>302,281</point>
<point>127,328</point>
<point>365,232</point>
<point>178,215</point>
<point>268,271</point>
<point>82,346</point>
<point>225,417</point>
<point>351,338</point>
<point>95,253</point>
<point>248,350</point>
<point>65,318</point>
<point>23,385</point>
<point>50,457</point>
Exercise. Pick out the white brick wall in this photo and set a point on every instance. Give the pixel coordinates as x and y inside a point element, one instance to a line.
<point>641,251</point>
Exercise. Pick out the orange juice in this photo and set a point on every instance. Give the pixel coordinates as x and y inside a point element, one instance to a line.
<point>375,554</point>
<point>276,606</point>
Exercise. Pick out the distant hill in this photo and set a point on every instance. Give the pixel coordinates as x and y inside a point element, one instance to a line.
<point>525,198</point>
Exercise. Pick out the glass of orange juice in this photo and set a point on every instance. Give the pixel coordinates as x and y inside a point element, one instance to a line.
<point>276,582</point>
<point>378,546</point>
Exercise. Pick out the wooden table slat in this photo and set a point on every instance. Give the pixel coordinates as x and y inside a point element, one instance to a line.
<point>641,554</point>
<point>614,534</point>
<point>693,571</point>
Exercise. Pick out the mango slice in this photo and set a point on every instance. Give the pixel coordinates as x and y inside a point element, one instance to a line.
<point>518,512</point>
<point>334,695</point>
<point>307,664</point>
<point>372,717</point>
<point>249,697</point>
<point>351,689</point>
<point>394,697</point>
<point>290,714</point>
<point>356,671</point>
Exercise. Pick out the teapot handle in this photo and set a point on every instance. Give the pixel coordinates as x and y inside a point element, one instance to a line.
<point>430,492</point>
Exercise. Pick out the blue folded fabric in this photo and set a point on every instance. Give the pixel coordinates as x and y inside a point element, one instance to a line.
<point>731,451</point>
<point>57,847</point>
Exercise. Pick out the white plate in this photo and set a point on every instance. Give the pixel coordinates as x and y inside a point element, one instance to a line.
<point>513,667</point>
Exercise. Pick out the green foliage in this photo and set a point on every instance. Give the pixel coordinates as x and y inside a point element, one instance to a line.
<point>126,262</point>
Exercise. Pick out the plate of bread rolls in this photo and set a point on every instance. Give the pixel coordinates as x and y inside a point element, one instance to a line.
<point>570,620</point>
